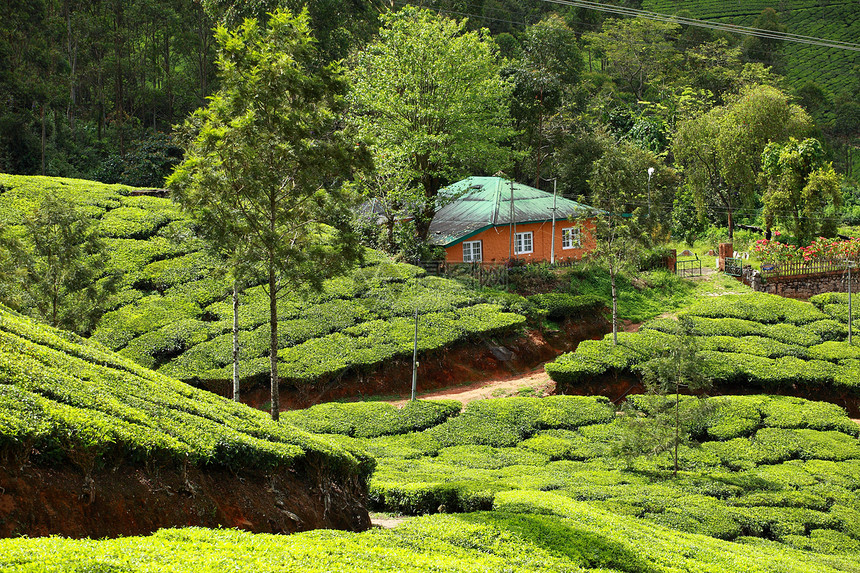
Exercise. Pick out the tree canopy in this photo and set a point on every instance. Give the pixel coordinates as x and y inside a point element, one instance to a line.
<point>800,185</point>
<point>721,150</point>
<point>429,97</point>
<point>267,155</point>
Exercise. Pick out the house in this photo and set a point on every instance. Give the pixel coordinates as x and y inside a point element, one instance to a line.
<point>474,223</point>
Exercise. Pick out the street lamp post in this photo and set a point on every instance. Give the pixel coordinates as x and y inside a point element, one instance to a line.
<point>650,173</point>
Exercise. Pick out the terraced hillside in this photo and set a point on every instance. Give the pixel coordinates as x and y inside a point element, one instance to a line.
<point>172,312</point>
<point>86,435</point>
<point>833,70</point>
<point>772,486</point>
<point>759,342</point>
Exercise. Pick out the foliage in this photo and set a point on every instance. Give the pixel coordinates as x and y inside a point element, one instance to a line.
<point>561,306</point>
<point>530,532</point>
<point>788,344</point>
<point>170,312</point>
<point>677,365</point>
<point>765,467</point>
<point>372,419</point>
<point>799,188</point>
<point>67,399</point>
<point>266,153</point>
<point>624,226</point>
<point>721,150</point>
<point>821,249</point>
<point>429,97</point>
<point>55,266</point>
<point>641,295</point>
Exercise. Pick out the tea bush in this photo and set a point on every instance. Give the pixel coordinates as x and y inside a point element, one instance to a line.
<point>372,419</point>
<point>63,397</point>
<point>561,306</point>
<point>168,281</point>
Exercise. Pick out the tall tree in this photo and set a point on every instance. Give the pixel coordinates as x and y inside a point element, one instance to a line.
<point>677,366</point>
<point>429,94</point>
<point>544,76</point>
<point>268,153</point>
<point>800,186</point>
<point>630,207</point>
<point>721,150</point>
<point>640,52</point>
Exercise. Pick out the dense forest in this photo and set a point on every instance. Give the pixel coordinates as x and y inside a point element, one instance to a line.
<point>95,89</point>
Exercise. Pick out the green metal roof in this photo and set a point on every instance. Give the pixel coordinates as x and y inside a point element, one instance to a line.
<point>478,203</point>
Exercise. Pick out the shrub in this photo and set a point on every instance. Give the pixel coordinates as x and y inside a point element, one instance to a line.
<point>758,307</point>
<point>372,419</point>
<point>560,306</point>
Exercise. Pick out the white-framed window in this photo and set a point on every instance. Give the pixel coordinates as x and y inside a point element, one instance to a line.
<point>472,252</point>
<point>523,243</point>
<point>571,238</point>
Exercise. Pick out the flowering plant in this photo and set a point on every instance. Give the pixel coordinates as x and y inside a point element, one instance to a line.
<point>775,252</point>
<point>821,249</point>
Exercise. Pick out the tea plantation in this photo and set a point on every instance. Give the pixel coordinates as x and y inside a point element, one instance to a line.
<point>173,313</point>
<point>771,485</point>
<point>833,70</point>
<point>756,340</point>
<point>65,400</point>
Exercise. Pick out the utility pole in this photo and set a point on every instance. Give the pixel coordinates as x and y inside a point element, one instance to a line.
<point>850,264</point>
<point>554,209</point>
<point>513,223</point>
<point>552,247</point>
<point>415,357</point>
<point>415,352</point>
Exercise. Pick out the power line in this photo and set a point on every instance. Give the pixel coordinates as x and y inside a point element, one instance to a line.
<point>732,28</point>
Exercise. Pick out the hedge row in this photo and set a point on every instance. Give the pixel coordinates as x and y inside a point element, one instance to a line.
<point>371,419</point>
<point>758,307</point>
<point>806,335</point>
<point>561,306</point>
<point>596,357</point>
<point>169,286</point>
<point>776,468</point>
<point>363,345</point>
<point>792,343</point>
<point>529,532</point>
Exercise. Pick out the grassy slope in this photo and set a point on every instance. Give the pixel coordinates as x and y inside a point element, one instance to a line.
<point>65,399</point>
<point>173,314</point>
<point>583,511</point>
<point>833,20</point>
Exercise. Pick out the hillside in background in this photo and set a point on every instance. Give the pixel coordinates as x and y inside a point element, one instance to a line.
<point>172,312</point>
<point>836,71</point>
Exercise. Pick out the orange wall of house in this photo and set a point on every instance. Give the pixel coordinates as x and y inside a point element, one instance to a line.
<point>496,242</point>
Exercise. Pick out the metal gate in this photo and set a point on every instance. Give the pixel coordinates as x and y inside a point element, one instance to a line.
<point>734,267</point>
<point>689,267</point>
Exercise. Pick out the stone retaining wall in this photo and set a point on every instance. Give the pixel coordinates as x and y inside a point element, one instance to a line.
<point>803,286</point>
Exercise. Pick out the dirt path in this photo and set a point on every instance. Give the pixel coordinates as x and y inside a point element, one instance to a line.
<point>534,383</point>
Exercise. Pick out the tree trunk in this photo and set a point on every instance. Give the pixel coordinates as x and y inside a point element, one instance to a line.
<point>731,226</point>
<point>44,139</point>
<point>273,340</point>
<point>235,340</point>
<point>614,304</point>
